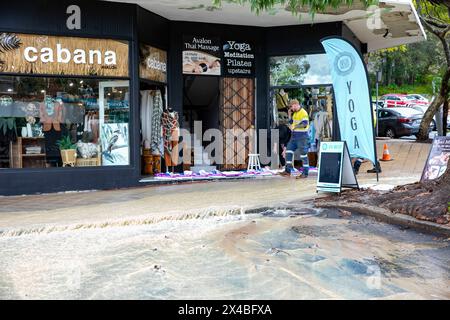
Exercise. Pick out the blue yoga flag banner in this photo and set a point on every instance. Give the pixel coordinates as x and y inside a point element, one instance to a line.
<point>353,102</point>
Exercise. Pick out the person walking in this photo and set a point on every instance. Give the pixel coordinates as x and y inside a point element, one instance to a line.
<point>299,121</point>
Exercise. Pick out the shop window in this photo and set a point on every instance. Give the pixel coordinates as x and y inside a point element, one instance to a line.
<point>300,70</point>
<point>61,122</point>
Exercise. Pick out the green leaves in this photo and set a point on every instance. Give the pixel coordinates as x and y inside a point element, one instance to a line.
<point>65,143</point>
<point>314,6</point>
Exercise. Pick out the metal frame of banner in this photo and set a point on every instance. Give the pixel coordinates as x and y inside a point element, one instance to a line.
<point>368,87</point>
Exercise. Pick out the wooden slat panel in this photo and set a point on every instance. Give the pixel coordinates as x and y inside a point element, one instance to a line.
<point>237,113</point>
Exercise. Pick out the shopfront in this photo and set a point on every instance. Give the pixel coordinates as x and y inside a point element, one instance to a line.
<point>116,83</point>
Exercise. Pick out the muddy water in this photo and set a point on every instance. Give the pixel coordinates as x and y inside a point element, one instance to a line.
<point>280,254</point>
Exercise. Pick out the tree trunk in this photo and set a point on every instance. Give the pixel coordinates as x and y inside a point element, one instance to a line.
<point>445,117</point>
<point>433,108</point>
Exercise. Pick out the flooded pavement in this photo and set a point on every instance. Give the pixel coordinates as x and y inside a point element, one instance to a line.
<point>301,253</point>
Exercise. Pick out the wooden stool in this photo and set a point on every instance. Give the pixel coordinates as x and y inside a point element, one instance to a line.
<point>253,162</point>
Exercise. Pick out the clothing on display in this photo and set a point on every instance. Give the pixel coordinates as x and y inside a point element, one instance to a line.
<point>146,117</point>
<point>171,133</point>
<point>91,126</point>
<point>282,100</point>
<point>156,128</point>
<point>51,114</point>
<point>321,130</point>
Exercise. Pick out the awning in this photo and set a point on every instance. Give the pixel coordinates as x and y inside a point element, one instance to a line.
<point>391,23</point>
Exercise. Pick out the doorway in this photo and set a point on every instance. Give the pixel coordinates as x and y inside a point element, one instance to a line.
<point>237,113</point>
<point>224,104</point>
<point>317,101</point>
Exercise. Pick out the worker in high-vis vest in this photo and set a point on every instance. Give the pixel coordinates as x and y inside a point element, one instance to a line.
<point>299,122</point>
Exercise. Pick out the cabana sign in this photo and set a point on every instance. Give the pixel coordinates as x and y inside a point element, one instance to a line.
<point>40,54</point>
<point>153,63</point>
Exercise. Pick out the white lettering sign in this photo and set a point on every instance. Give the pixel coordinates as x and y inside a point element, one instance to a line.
<point>63,55</point>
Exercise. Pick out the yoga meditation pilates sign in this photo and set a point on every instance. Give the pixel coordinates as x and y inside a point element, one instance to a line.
<point>41,54</point>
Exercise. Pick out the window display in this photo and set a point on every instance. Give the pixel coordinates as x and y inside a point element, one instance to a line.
<point>60,122</point>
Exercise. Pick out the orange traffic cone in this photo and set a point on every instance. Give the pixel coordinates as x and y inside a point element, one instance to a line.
<point>386,154</point>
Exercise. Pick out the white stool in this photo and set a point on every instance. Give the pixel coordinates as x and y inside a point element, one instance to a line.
<point>253,162</point>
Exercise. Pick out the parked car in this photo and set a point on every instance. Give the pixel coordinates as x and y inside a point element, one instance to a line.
<point>394,100</point>
<point>422,109</point>
<point>398,122</point>
<point>418,99</point>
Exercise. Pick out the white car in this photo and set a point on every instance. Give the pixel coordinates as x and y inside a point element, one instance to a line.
<point>423,109</point>
<point>417,99</point>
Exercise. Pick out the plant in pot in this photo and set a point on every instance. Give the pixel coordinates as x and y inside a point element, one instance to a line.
<point>68,151</point>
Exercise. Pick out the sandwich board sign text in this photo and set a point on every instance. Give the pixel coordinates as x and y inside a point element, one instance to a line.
<point>335,168</point>
<point>436,164</point>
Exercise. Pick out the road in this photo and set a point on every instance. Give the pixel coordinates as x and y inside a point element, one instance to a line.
<point>280,254</point>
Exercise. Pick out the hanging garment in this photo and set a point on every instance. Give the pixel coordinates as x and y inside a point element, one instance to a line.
<point>146,117</point>
<point>282,100</point>
<point>171,134</point>
<point>94,128</point>
<point>51,115</point>
<point>322,126</point>
<point>156,130</point>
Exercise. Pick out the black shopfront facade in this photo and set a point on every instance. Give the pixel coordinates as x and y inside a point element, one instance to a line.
<point>131,25</point>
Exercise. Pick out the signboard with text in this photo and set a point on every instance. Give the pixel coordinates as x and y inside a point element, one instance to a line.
<point>335,168</point>
<point>55,55</point>
<point>152,63</point>
<point>202,55</point>
<point>238,59</point>
<point>437,159</point>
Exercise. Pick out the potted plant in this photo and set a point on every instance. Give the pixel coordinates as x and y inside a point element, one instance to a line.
<point>68,151</point>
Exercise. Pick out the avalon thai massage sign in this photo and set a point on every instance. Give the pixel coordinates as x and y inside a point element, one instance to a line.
<point>40,54</point>
<point>201,55</point>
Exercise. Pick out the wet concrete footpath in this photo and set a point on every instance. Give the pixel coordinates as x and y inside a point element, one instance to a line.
<point>152,204</point>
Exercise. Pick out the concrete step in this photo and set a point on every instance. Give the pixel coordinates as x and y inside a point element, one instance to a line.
<point>197,169</point>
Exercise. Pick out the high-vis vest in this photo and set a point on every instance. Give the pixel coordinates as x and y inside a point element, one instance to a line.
<point>299,117</point>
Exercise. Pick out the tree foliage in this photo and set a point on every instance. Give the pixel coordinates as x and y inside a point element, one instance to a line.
<point>289,70</point>
<point>409,65</point>
<point>314,6</point>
